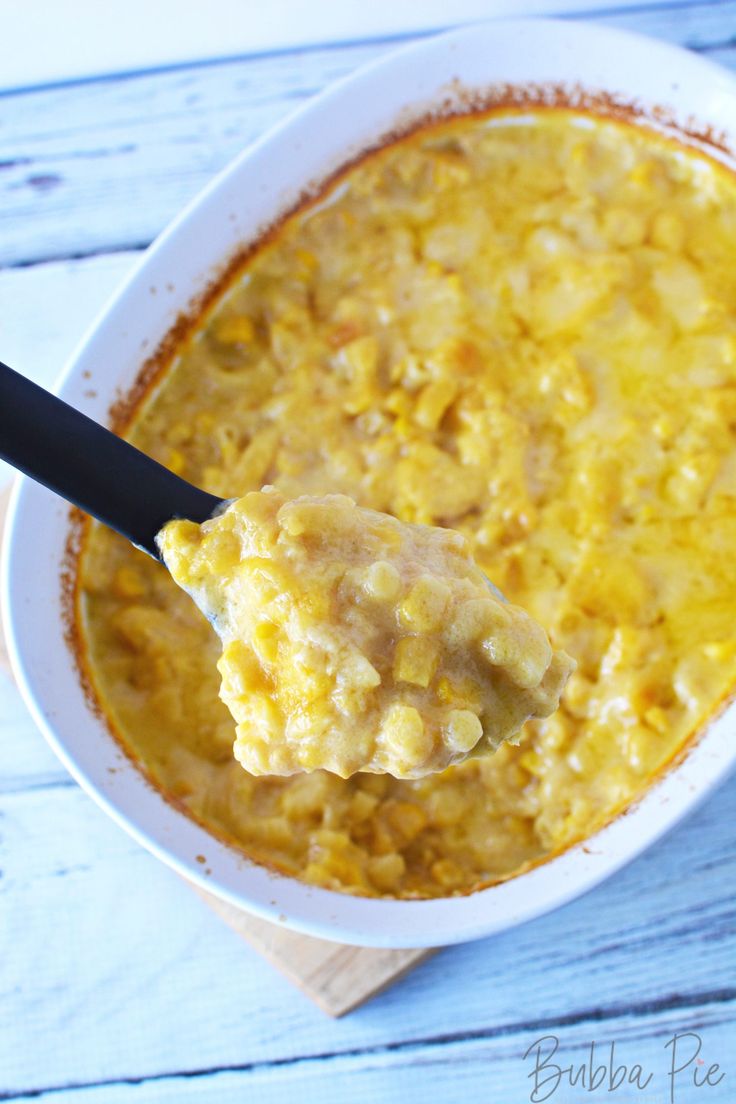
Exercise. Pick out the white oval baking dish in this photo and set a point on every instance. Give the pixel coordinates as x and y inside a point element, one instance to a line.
<point>263,182</point>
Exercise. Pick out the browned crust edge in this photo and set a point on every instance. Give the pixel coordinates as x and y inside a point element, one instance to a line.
<point>459,101</point>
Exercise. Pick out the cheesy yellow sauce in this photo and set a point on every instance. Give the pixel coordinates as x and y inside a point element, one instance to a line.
<point>357,642</point>
<point>522,327</point>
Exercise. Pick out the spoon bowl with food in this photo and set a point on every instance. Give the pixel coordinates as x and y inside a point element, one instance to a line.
<point>352,641</point>
<point>356,642</point>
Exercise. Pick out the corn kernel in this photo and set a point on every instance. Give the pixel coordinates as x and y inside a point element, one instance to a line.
<point>362,806</point>
<point>361,355</point>
<point>474,619</point>
<point>237,330</point>
<point>446,872</point>
<point>386,871</point>
<point>240,670</point>
<point>266,641</point>
<point>382,581</point>
<point>415,660</point>
<point>176,461</point>
<point>359,672</point>
<point>407,818</point>
<point>720,651</point>
<point>623,226</point>
<point>463,730</point>
<point>222,549</point>
<point>668,231</point>
<point>434,401</point>
<point>307,258</point>
<point>423,608</point>
<point>128,583</point>
<point>404,732</point>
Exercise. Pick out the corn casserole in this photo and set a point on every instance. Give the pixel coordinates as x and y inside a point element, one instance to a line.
<point>519,325</point>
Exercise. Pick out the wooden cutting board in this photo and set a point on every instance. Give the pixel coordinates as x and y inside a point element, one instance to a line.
<point>336,977</point>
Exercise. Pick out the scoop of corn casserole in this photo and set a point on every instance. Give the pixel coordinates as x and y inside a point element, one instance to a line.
<point>356,642</point>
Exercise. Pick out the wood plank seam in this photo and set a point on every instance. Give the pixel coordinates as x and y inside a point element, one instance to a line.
<point>647,1023</point>
<point>59,198</point>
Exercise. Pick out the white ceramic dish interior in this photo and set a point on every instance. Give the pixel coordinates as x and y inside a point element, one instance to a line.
<point>267,179</point>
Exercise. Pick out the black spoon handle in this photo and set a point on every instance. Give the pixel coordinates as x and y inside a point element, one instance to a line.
<point>91,467</point>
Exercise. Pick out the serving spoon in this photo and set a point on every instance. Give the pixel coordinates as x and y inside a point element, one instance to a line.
<point>93,468</point>
<point>90,466</point>
<point>113,481</point>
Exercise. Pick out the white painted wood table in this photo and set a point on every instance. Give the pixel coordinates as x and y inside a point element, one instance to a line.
<point>117,984</point>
